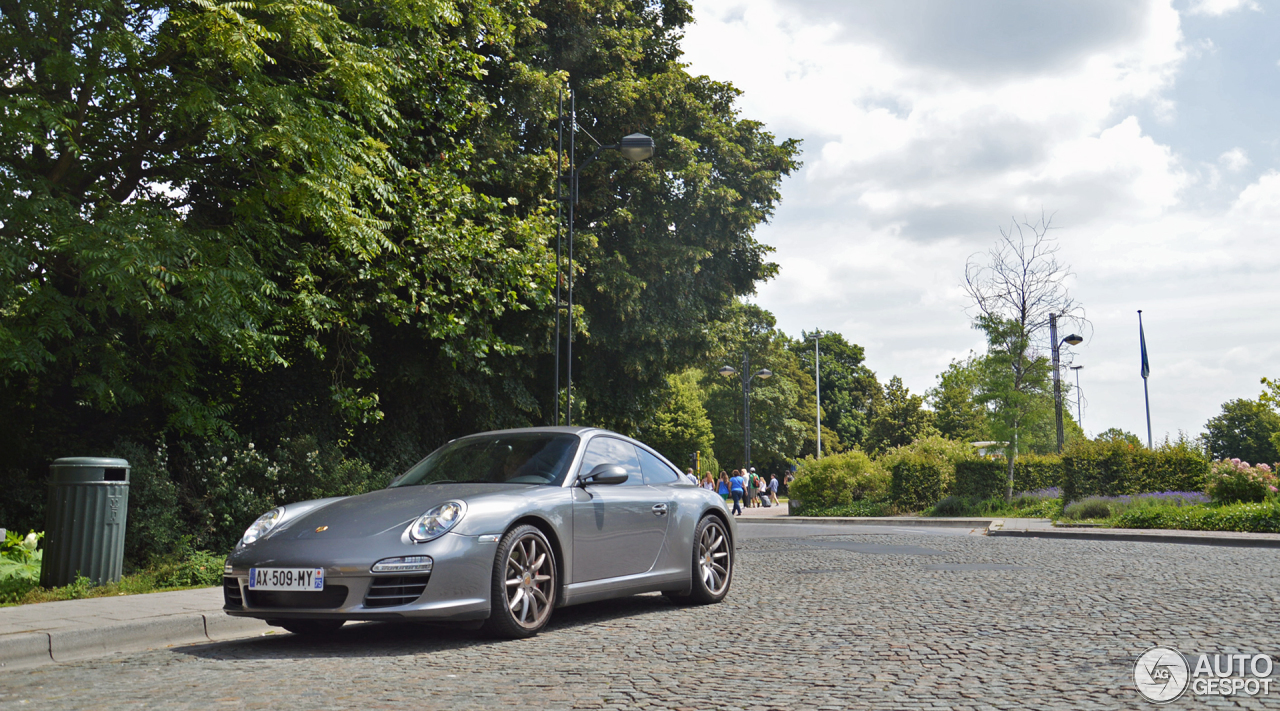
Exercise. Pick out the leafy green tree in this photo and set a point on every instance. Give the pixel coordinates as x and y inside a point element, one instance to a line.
<point>781,406</point>
<point>954,400</point>
<point>213,212</point>
<point>850,391</point>
<point>1244,431</point>
<point>1115,434</point>
<point>900,420</point>
<point>663,247</point>
<point>1014,386</point>
<point>681,426</point>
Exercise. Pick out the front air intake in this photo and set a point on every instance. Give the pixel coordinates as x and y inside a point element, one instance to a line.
<point>394,591</point>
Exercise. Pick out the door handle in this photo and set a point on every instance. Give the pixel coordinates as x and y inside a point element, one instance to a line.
<point>659,509</point>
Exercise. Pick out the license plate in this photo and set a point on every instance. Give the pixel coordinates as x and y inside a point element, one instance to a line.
<point>296,579</point>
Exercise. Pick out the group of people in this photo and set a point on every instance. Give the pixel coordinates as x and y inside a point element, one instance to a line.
<point>744,486</point>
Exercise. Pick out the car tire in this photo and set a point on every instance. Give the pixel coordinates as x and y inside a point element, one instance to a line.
<point>312,628</point>
<point>523,591</point>
<point>712,563</point>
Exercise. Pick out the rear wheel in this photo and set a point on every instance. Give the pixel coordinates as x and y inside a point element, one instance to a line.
<point>524,584</point>
<point>712,562</point>
<point>312,627</point>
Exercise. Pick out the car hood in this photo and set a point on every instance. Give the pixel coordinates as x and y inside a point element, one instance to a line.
<point>387,510</point>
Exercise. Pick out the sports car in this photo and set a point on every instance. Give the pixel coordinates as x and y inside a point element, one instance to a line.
<point>500,527</point>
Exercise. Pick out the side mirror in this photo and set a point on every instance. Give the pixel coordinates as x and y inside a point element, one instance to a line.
<point>605,474</point>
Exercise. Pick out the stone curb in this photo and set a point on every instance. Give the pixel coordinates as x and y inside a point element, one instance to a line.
<point>32,649</point>
<point>883,521</point>
<point>1088,535</point>
<point>995,528</point>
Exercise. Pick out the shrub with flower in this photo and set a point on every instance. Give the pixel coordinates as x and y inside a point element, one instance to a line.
<point>1232,481</point>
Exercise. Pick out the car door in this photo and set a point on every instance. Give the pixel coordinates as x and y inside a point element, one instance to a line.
<point>618,529</point>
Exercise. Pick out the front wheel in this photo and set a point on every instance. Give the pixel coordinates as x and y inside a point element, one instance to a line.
<point>712,562</point>
<point>524,584</point>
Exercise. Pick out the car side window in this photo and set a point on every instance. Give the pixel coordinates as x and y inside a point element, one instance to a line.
<point>610,450</point>
<point>655,470</point>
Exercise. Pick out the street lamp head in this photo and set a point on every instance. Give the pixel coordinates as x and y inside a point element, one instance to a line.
<point>1073,340</point>
<point>728,370</point>
<point>1076,367</point>
<point>764,374</point>
<point>636,147</point>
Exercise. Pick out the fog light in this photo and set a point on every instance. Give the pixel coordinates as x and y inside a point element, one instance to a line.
<point>227,569</point>
<point>404,564</point>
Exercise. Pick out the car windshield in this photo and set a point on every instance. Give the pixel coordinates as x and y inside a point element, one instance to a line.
<point>523,458</point>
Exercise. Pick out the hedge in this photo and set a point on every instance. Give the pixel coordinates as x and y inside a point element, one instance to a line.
<point>1116,468</point>
<point>916,481</point>
<point>987,477</point>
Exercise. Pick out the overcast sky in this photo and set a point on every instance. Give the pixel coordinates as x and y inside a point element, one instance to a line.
<point>1149,131</point>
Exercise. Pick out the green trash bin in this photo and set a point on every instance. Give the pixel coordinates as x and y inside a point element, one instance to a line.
<point>84,520</point>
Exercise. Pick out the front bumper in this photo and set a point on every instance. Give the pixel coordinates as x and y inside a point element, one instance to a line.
<point>457,588</point>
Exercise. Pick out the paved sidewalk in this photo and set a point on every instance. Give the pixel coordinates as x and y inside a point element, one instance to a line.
<point>32,635</point>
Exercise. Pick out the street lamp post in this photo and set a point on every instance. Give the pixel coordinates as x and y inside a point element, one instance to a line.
<point>763,374</point>
<point>1072,340</point>
<point>1079,413</point>
<point>635,148</point>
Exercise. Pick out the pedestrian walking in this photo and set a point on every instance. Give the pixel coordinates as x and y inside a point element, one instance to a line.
<point>773,488</point>
<point>753,489</point>
<point>724,485</point>
<point>737,488</point>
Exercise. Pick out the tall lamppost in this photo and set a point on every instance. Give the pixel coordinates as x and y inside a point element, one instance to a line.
<point>1079,413</point>
<point>763,374</point>
<point>635,148</point>
<point>817,389</point>
<point>1072,340</point>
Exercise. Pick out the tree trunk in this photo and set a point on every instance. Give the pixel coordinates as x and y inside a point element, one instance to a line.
<point>1012,453</point>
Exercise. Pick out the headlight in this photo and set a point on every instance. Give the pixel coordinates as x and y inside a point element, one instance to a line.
<point>259,528</point>
<point>437,521</point>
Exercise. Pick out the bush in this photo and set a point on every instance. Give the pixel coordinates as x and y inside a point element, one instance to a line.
<point>863,508</point>
<point>918,481</point>
<point>1258,518</point>
<point>154,524</point>
<point>20,559</point>
<point>923,472</point>
<point>838,480</point>
<point>951,506</point>
<point>1233,481</point>
<point>1117,467</point>
<point>1091,507</point>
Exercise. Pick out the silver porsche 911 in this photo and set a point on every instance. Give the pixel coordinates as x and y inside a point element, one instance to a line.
<point>501,527</point>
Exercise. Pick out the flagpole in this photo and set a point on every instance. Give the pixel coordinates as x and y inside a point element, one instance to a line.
<point>1146,370</point>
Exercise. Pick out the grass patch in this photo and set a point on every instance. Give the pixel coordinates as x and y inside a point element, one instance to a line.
<point>183,571</point>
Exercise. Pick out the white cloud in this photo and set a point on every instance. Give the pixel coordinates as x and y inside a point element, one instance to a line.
<point>1234,159</point>
<point>918,149</point>
<point>1222,7</point>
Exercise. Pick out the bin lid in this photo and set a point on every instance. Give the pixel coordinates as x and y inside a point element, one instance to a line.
<point>89,470</point>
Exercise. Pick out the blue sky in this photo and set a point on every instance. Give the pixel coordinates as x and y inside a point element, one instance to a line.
<point>1147,129</point>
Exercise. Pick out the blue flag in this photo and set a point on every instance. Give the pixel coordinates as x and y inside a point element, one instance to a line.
<point>1142,339</point>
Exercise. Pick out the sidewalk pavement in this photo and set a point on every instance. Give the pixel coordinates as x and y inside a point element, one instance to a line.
<point>32,635</point>
<point>49,632</point>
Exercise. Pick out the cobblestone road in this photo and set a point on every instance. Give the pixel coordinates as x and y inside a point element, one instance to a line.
<point>886,620</point>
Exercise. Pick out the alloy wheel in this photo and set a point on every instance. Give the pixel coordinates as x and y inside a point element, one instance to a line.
<point>530,580</point>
